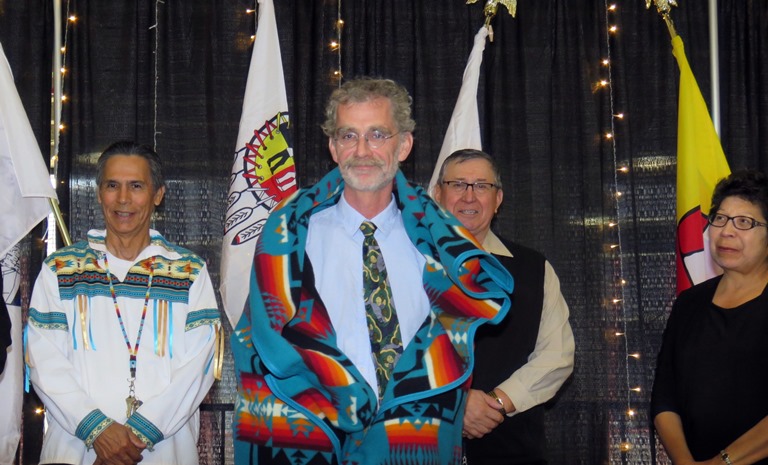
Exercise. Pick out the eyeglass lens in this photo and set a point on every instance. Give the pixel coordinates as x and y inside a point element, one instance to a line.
<point>739,222</point>
<point>374,138</point>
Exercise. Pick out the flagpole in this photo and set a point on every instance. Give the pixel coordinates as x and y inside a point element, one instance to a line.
<point>714,58</point>
<point>56,109</point>
<point>65,238</point>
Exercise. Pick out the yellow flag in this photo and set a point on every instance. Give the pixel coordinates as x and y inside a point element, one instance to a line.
<point>700,164</point>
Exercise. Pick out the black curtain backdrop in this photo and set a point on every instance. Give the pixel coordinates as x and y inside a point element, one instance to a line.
<point>173,74</point>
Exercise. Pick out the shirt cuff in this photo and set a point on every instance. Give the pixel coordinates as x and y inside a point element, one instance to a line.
<point>518,394</point>
<point>145,430</point>
<point>92,426</point>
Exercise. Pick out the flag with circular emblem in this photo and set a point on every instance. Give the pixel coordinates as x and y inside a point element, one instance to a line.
<point>700,164</point>
<point>263,171</point>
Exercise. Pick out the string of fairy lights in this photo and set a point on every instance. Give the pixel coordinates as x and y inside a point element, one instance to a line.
<point>618,301</point>
<point>58,99</point>
<point>335,44</point>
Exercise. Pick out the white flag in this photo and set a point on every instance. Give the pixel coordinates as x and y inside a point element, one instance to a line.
<point>263,172</point>
<point>12,378</point>
<point>464,128</point>
<point>25,184</point>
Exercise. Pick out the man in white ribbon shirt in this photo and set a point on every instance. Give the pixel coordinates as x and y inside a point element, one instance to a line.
<point>122,330</point>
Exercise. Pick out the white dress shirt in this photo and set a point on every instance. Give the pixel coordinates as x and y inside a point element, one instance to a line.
<point>335,248</point>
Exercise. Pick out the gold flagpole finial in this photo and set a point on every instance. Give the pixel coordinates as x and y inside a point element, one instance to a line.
<point>490,9</point>
<point>664,7</point>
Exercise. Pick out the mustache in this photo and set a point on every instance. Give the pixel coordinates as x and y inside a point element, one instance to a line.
<point>354,163</point>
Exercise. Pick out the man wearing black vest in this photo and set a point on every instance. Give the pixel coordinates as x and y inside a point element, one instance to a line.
<point>523,361</point>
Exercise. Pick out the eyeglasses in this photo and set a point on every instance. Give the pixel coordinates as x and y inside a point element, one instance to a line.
<point>459,187</point>
<point>743,223</point>
<point>375,138</point>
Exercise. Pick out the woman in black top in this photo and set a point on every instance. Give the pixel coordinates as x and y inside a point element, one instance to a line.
<point>710,395</point>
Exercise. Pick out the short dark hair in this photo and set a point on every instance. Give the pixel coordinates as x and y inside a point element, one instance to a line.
<point>463,155</point>
<point>125,147</point>
<point>366,89</point>
<point>749,185</point>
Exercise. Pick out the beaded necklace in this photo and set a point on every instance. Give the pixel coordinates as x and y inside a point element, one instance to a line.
<point>131,402</point>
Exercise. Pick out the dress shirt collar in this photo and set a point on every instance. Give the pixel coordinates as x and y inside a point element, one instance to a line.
<point>351,218</point>
<point>492,244</point>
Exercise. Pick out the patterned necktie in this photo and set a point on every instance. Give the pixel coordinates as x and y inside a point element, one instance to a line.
<point>383,326</point>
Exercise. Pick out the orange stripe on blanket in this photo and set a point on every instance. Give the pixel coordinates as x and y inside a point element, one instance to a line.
<point>455,302</point>
<point>268,420</point>
<point>445,365</point>
<point>423,434</point>
<point>275,287</point>
<point>328,370</point>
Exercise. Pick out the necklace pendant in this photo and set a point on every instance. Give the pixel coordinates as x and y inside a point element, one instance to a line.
<point>132,405</point>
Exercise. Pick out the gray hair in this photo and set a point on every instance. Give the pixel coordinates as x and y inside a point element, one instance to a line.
<point>463,155</point>
<point>125,147</point>
<point>364,90</point>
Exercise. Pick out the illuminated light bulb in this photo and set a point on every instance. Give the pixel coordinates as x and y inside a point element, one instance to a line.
<point>606,62</point>
<point>340,23</point>
<point>636,389</point>
<point>624,169</point>
<point>61,127</point>
<point>72,18</point>
<point>625,447</point>
<point>334,45</point>
<point>615,300</point>
<point>613,246</point>
<point>63,70</point>
<point>608,135</point>
<point>39,410</point>
<point>623,282</point>
<point>619,115</point>
<point>635,355</point>
<point>613,29</point>
<point>618,194</point>
<point>603,83</point>
<point>249,11</point>
<point>253,37</point>
<point>611,224</point>
<point>618,333</point>
<point>612,7</point>
<point>63,49</point>
<point>631,412</point>
<point>63,98</point>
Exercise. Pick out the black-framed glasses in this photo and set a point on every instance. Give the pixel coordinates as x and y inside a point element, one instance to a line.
<point>459,187</point>
<point>743,223</point>
<point>375,138</point>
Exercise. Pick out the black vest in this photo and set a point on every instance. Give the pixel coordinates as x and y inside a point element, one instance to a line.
<point>5,327</point>
<point>499,351</point>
